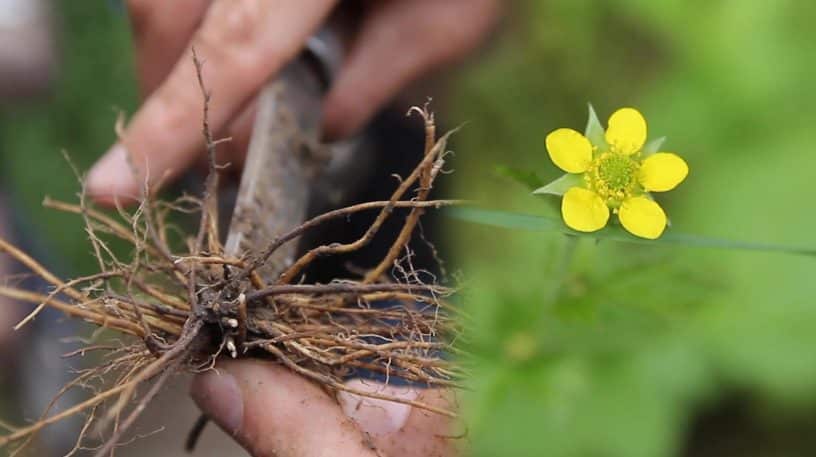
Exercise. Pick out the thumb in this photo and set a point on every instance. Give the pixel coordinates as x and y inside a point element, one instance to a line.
<point>398,429</point>
<point>271,411</point>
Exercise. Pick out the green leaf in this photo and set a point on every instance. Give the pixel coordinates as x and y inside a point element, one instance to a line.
<point>595,131</point>
<point>504,219</point>
<point>560,185</point>
<point>653,146</point>
<point>526,178</point>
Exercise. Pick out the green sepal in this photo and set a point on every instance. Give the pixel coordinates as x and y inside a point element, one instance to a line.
<point>594,131</point>
<point>561,185</point>
<point>653,146</point>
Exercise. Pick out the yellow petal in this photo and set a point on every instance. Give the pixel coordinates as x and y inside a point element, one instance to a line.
<point>662,171</point>
<point>642,217</point>
<point>569,150</point>
<point>626,132</point>
<point>584,210</point>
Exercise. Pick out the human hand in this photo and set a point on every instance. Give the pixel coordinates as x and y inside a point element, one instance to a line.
<point>271,411</point>
<point>243,43</point>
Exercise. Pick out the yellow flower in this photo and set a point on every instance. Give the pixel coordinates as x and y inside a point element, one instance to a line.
<point>613,170</point>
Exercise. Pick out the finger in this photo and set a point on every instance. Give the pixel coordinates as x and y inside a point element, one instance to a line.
<point>399,41</point>
<point>231,154</point>
<point>240,132</point>
<point>271,411</point>
<point>397,429</point>
<point>242,43</point>
<point>161,31</point>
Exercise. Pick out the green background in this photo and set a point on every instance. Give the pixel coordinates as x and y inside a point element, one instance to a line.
<point>625,350</point>
<point>94,83</point>
<point>611,350</point>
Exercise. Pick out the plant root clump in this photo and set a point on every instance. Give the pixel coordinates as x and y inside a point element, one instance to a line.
<point>183,308</point>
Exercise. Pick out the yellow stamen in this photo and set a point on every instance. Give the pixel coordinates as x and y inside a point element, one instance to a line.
<point>613,177</point>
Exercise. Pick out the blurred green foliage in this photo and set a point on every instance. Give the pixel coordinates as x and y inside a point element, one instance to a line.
<point>622,350</point>
<point>94,84</point>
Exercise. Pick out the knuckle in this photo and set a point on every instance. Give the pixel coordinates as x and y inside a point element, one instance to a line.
<point>482,16</point>
<point>233,29</point>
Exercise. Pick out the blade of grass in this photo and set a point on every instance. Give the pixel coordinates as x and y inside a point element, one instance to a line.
<point>526,178</point>
<point>518,221</point>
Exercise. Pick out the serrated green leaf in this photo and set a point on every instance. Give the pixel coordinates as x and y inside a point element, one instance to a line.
<point>528,179</point>
<point>653,146</point>
<point>504,219</point>
<point>560,185</point>
<point>594,130</point>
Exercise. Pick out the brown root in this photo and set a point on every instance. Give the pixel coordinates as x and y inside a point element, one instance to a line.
<point>182,308</point>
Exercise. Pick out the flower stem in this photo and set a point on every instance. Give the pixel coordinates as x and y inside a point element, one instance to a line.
<point>561,271</point>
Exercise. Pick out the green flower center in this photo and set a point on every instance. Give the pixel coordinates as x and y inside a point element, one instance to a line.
<point>613,176</point>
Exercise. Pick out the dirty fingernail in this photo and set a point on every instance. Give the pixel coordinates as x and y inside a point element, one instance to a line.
<point>219,397</point>
<point>375,416</point>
